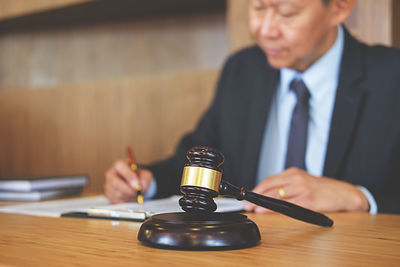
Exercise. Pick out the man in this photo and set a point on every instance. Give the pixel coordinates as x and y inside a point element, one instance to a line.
<point>309,116</point>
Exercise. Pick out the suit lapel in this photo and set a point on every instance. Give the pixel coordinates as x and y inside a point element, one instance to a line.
<point>264,88</point>
<point>348,107</point>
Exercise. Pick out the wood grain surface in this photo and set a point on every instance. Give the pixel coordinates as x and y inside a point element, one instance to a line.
<point>53,57</point>
<point>356,239</point>
<point>15,8</point>
<point>83,128</point>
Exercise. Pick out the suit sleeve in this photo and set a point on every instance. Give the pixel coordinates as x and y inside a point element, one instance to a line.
<point>168,172</point>
<point>387,195</point>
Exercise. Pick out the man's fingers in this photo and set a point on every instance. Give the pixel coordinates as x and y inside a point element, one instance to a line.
<point>260,209</point>
<point>121,182</point>
<point>285,192</point>
<point>125,172</point>
<point>248,206</point>
<point>255,208</point>
<point>121,186</point>
<point>116,188</point>
<point>288,193</point>
<point>110,194</point>
<point>274,181</point>
<point>270,186</point>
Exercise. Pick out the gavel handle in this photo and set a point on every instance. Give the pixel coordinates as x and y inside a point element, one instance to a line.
<point>274,204</point>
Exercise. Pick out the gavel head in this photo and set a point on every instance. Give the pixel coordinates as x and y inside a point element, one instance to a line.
<point>201,179</point>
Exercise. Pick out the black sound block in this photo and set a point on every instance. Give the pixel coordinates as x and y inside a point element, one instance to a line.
<point>185,231</point>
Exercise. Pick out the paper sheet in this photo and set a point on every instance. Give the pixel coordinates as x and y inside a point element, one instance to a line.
<point>55,208</point>
<point>171,205</point>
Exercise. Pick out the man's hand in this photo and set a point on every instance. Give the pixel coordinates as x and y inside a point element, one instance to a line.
<point>318,194</point>
<point>121,182</point>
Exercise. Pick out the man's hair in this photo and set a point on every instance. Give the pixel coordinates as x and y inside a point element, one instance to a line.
<point>325,2</point>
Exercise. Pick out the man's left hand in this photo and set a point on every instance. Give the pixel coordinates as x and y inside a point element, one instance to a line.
<point>315,193</point>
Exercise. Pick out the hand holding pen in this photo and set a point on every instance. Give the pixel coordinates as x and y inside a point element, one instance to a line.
<point>122,181</point>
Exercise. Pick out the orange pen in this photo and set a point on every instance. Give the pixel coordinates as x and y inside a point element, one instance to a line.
<point>134,167</point>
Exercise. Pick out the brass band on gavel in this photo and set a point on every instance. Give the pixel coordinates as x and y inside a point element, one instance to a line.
<point>203,177</point>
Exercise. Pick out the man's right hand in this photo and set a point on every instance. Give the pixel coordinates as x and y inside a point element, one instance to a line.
<point>121,182</point>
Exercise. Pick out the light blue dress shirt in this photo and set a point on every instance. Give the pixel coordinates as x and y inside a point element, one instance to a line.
<point>321,79</point>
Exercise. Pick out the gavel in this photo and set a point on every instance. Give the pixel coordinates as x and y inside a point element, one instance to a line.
<point>202,181</point>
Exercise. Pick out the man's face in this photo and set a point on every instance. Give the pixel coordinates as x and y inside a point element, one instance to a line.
<point>293,33</point>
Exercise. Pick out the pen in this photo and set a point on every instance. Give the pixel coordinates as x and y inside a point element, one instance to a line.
<point>135,168</point>
<point>119,213</point>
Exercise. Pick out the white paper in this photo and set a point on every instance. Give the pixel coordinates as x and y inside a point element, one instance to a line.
<point>171,205</point>
<point>55,208</point>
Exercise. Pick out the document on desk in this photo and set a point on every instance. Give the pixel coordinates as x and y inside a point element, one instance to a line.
<point>139,212</point>
<point>99,207</point>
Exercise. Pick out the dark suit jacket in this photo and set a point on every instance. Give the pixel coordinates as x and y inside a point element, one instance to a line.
<point>364,140</point>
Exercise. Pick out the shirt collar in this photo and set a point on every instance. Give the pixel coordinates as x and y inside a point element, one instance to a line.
<point>325,69</point>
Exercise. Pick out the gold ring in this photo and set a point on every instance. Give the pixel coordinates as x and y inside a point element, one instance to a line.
<point>281,193</point>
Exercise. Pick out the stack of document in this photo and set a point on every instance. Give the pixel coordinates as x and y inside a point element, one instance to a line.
<point>34,189</point>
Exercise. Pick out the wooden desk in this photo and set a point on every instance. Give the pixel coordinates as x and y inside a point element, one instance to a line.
<point>357,239</point>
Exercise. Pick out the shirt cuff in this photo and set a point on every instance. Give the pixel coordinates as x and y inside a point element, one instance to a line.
<point>373,208</point>
<point>151,191</point>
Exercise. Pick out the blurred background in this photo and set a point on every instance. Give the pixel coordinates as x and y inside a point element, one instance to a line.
<point>82,79</point>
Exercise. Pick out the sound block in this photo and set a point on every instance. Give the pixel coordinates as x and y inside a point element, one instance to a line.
<point>185,231</point>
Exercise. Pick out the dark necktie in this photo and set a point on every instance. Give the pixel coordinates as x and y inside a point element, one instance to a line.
<point>296,150</point>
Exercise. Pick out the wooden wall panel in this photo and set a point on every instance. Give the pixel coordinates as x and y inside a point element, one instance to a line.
<point>52,57</point>
<point>84,128</point>
<point>371,21</point>
<point>14,8</point>
<point>396,23</point>
<point>75,93</point>
<point>238,26</point>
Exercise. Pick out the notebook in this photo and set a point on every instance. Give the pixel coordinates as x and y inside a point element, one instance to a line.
<point>39,195</point>
<point>40,184</point>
